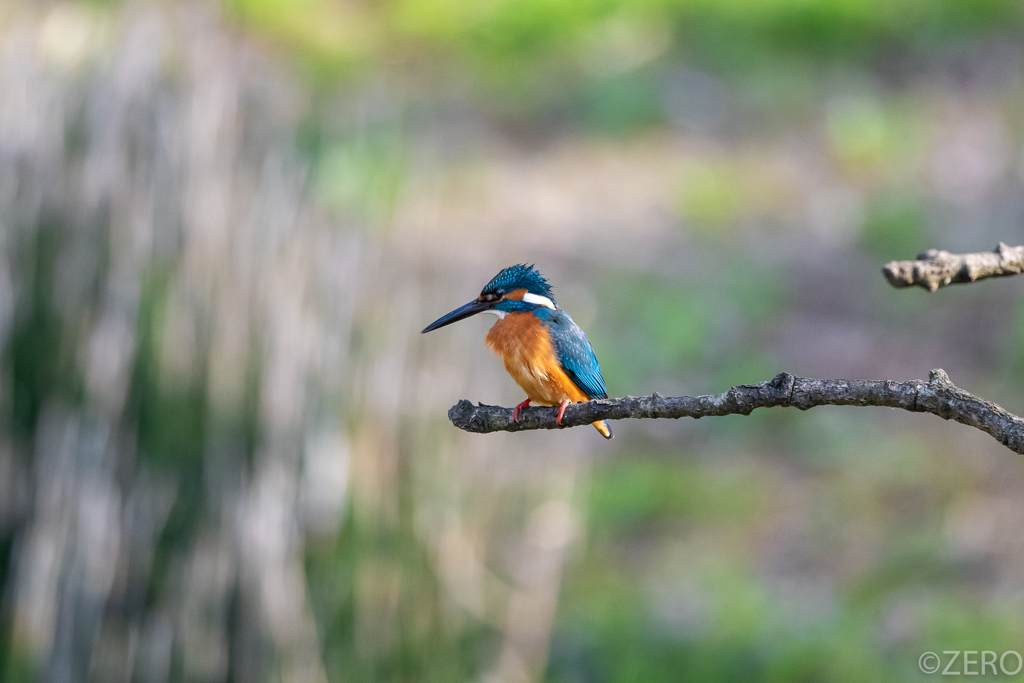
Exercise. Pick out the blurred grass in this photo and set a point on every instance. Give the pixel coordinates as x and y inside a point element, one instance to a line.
<point>361,179</point>
<point>706,324</point>
<point>711,611</point>
<point>895,226</point>
<point>639,495</point>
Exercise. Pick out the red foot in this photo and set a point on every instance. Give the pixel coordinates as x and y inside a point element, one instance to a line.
<point>561,411</point>
<point>515,412</point>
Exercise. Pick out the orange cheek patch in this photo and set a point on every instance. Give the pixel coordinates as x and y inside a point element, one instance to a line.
<point>516,295</point>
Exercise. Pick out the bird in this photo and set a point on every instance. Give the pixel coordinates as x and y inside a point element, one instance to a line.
<point>544,351</point>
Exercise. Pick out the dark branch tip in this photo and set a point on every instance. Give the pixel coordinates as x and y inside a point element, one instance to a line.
<point>463,407</point>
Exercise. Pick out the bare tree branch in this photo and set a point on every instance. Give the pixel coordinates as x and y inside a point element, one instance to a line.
<point>934,268</point>
<point>937,396</point>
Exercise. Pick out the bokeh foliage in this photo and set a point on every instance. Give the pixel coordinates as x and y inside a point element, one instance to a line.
<point>542,55</point>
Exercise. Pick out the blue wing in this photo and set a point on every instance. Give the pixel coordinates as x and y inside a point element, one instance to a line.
<point>575,353</point>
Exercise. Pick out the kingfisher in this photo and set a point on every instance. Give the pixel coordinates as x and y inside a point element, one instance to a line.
<point>546,353</point>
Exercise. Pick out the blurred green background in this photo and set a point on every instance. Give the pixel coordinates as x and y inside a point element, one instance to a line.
<point>224,452</point>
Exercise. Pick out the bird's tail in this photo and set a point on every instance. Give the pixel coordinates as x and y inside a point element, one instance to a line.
<point>602,426</point>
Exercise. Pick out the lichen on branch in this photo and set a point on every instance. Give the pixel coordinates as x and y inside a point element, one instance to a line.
<point>935,268</point>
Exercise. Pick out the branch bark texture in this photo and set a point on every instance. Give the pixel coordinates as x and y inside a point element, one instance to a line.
<point>935,268</point>
<point>937,396</point>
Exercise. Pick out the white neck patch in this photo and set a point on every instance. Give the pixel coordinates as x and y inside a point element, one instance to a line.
<point>494,311</point>
<point>538,300</point>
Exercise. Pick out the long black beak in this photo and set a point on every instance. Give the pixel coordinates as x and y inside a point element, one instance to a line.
<point>472,308</point>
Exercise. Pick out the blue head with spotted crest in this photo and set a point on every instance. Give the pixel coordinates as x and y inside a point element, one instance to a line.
<point>516,289</point>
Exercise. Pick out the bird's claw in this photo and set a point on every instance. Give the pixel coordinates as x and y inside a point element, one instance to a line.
<point>561,411</point>
<point>515,411</point>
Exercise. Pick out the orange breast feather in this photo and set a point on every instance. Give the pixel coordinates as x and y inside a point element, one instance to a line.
<point>523,343</point>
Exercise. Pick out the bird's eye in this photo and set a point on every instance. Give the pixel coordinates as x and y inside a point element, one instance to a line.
<point>500,292</point>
